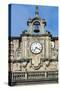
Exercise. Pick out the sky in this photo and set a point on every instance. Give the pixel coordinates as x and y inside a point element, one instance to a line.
<point>21,13</point>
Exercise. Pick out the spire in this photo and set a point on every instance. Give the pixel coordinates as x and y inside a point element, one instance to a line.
<point>36,11</point>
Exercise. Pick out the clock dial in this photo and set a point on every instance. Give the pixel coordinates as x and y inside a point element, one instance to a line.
<point>52,45</point>
<point>36,47</point>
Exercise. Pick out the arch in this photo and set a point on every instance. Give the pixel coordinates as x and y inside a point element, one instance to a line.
<point>36,25</point>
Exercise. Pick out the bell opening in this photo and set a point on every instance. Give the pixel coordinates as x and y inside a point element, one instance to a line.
<point>36,31</point>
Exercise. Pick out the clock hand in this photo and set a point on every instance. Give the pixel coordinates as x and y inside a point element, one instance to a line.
<point>36,48</point>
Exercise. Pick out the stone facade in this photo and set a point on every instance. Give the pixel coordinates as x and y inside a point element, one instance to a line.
<point>21,58</point>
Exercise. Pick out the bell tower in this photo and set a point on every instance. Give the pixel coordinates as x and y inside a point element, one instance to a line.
<point>36,25</point>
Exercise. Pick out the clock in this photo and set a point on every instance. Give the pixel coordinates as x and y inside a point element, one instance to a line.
<point>36,47</point>
<point>52,45</point>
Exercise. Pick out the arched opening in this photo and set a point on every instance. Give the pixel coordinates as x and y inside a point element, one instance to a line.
<point>36,26</point>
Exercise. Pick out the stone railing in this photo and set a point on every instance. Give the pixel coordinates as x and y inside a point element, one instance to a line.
<point>18,77</point>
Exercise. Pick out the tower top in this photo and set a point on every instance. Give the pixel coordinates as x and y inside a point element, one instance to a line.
<point>36,11</point>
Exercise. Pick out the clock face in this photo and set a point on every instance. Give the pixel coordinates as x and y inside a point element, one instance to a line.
<point>36,47</point>
<point>52,45</point>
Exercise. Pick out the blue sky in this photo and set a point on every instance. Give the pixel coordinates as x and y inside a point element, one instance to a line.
<point>21,13</point>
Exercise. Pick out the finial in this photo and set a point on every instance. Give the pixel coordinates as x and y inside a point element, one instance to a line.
<point>36,12</point>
